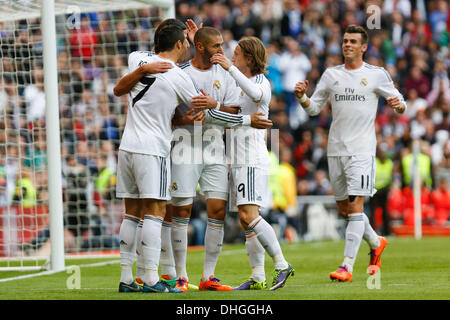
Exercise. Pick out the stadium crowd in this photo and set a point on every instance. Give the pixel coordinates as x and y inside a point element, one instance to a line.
<point>303,38</point>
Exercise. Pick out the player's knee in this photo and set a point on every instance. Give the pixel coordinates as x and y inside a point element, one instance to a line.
<point>216,208</point>
<point>181,207</point>
<point>248,213</point>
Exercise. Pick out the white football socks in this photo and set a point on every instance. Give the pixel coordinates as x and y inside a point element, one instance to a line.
<point>213,246</point>
<point>256,255</point>
<point>370,236</point>
<point>151,247</point>
<point>127,236</point>
<point>179,238</point>
<point>268,239</point>
<point>353,236</point>
<point>167,261</point>
<point>140,267</point>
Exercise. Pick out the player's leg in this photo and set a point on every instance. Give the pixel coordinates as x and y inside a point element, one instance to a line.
<point>256,254</point>
<point>216,210</point>
<point>153,211</point>
<point>152,175</point>
<point>140,268</point>
<point>361,173</point>
<point>214,186</point>
<point>250,185</point>
<point>127,235</point>
<point>338,180</point>
<point>127,189</point>
<point>180,222</point>
<point>184,182</point>
<point>167,261</point>
<point>265,234</point>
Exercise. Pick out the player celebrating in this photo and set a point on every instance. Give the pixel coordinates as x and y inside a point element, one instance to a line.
<point>139,92</point>
<point>250,172</point>
<point>354,89</point>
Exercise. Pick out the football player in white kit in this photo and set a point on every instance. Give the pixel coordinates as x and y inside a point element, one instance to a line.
<point>353,89</point>
<point>139,93</point>
<point>250,164</point>
<point>202,168</point>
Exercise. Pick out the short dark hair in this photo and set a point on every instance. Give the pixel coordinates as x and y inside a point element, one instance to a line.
<point>168,36</point>
<point>204,34</point>
<point>358,29</point>
<point>163,24</point>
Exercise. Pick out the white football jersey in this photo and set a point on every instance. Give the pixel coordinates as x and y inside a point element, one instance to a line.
<point>354,98</point>
<point>249,144</point>
<point>217,83</point>
<point>152,103</point>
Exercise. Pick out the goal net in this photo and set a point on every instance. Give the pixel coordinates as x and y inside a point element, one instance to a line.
<point>93,39</point>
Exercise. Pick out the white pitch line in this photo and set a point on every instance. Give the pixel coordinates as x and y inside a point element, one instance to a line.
<point>46,273</point>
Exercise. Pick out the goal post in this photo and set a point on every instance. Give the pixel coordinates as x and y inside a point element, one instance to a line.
<point>60,124</point>
<point>55,202</point>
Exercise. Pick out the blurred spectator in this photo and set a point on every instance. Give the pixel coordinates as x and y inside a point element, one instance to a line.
<point>35,97</point>
<point>294,66</point>
<point>26,192</point>
<point>423,163</point>
<point>419,81</point>
<point>438,21</point>
<point>229,43</point>
<point>415,103</point>
<point>246,23</point>
<point>379,200</point>
<point>83,40</point>
<point>303,156</point>
<point>77,197</point>
<point>440,199</point>
<point>273,68</point>
<point>291,22</point>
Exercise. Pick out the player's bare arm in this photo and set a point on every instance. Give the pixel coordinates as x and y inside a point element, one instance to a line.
<point>127,82</point>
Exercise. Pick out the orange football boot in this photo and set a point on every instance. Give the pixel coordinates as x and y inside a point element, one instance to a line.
<point>213,284</point>
<point>375,256</point>
<point>341,274</point>
<point>182,284</point>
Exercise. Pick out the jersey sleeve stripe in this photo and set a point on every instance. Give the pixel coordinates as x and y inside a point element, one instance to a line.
<point>221,116</point>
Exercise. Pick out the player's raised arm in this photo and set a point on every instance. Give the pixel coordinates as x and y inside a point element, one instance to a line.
<point>319,98</point>
<point>127,82</point>
<point>249,87</point>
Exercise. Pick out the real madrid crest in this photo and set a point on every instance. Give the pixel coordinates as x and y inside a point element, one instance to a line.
<point>174,186</point>
<point>216,85</point>
<point>363,82</point>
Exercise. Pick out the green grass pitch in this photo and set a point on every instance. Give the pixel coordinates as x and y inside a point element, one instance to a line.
<point>411,270</point>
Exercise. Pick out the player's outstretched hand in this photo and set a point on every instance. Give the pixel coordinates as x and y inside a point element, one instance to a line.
<point>203,101</point>
<point>157,67</point>
<point>192,28</point>
<point>222,60</point>
<point>300,88</point>
<point>260,123</point>
<point>396,104</point>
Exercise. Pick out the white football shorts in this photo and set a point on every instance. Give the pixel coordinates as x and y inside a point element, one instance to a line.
<point>142,176</point>
<point>186,177</point>
<point>248,185</point>
<point>352,175</point>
